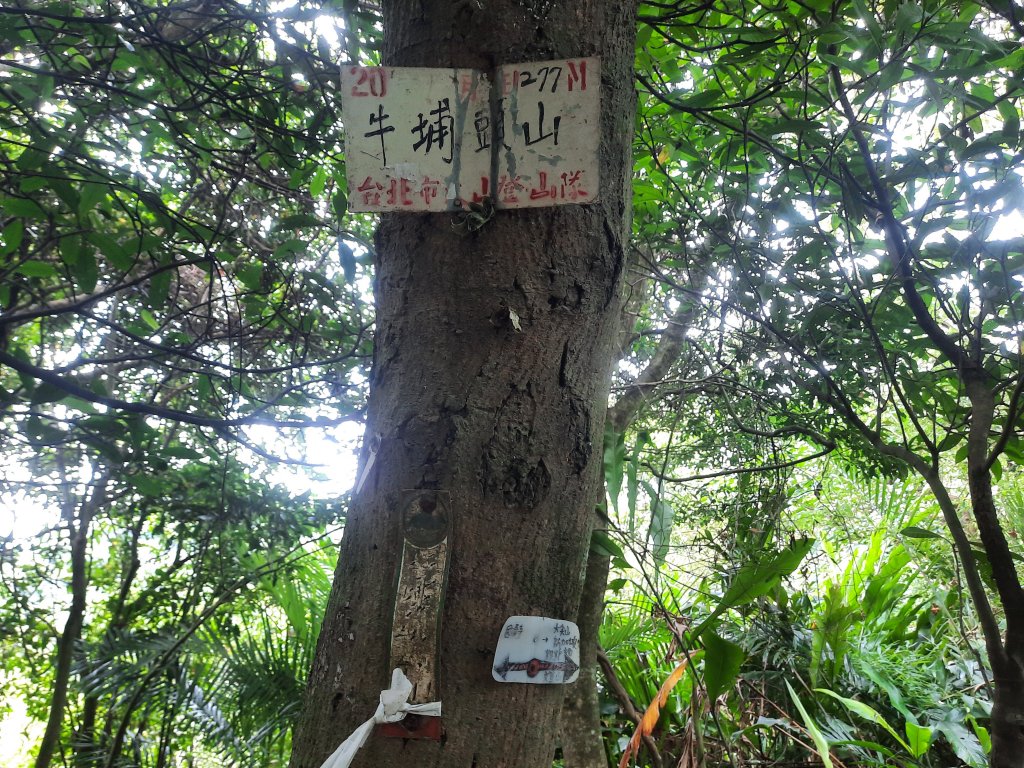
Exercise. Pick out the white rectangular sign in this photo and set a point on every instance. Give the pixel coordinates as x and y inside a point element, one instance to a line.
<point>409,137</point>
<point>440,139</point>
<point>538,650</point>
<point>551,133</point>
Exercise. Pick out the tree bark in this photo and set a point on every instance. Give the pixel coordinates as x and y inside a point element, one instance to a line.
<point>73,626</point>
<point>1007,661</point>
<point>582,738</point>
<point>501,426</point>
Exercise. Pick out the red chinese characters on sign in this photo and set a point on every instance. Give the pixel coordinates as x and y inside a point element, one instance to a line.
<point>509,188</point>
<point>420,139</point>
<point>398,193</point>
<point>567,185</point>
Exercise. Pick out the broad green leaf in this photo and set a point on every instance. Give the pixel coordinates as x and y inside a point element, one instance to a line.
<point>982,733</point>
<point>47,393</point>
<point>298,221</point>
<point>147,485</point>
<point>159,288</point>
<point>251,276</point>
<point>89,196</point>
<point>660,532</point>
<point>22,206</point>
<point>614,457</point>
<point>319,181</point>
<point>85,270</point>
<point>12,236</point>
<point>118,255</point>
<point>756,579</point>
<point>918,737</point>
<point>722,661</point>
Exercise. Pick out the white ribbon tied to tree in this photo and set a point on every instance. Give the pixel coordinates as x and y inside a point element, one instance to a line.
<point>394,706</point>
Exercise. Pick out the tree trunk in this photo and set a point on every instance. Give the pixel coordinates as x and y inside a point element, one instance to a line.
<point>499,425</point>
<point>1007,719</point>
<point>73,626</point>
<point>582,740</point>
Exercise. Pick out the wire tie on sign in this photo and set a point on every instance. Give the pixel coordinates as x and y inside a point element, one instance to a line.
<point>394,706</point>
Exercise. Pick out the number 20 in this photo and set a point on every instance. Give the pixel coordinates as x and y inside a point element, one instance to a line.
<point>373,81</point>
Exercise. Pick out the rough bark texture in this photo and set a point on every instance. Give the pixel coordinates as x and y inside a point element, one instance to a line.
<point>504,425</point>
<point>582,740</point>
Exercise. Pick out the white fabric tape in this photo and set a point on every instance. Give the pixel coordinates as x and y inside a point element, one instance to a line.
<point>394,706</point>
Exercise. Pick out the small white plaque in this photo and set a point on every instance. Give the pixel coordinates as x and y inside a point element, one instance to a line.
<point>537,650</point>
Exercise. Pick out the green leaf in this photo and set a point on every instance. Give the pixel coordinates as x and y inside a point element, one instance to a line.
<point>85,270</point>
<point>319,181</point>
<point>13,234</point>
<point>984,738</point>
<point>289,247</point>
<point>146,485</point>
<point>22,206</point>
<point>660,531</point>
<point>868,713</point>
<point>159,288</point>
<point>36,269</point>
<point>722,661</point>
<point>182,452</point>
<point>918,737</point>
<point>614,456</point>
<point>820,742</point>
<point>118,255</point>
<point>756,579</point>
<point>916,532</point>
<point>47,393</point>
<point>339,204</point>
<point>604,545</point>
<point>298,221</point>
<point>89,195</point>
<point>251,276</point>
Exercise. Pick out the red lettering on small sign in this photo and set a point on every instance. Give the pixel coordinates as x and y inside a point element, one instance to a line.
<point>568,189</point>
<point>429,189</point>
<point>398,192</point>
<point>373,81</point>
<point>578,74</point>
<point>509,187</point>
<point>371,191</point>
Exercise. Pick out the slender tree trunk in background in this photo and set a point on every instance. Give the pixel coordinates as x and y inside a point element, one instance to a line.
<point>502,426</point>
<point>75,621</point>
<point>1006,657</point>
<point>582,740</point>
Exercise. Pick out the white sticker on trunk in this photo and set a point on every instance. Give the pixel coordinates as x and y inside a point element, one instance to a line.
<point>534,649</point>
